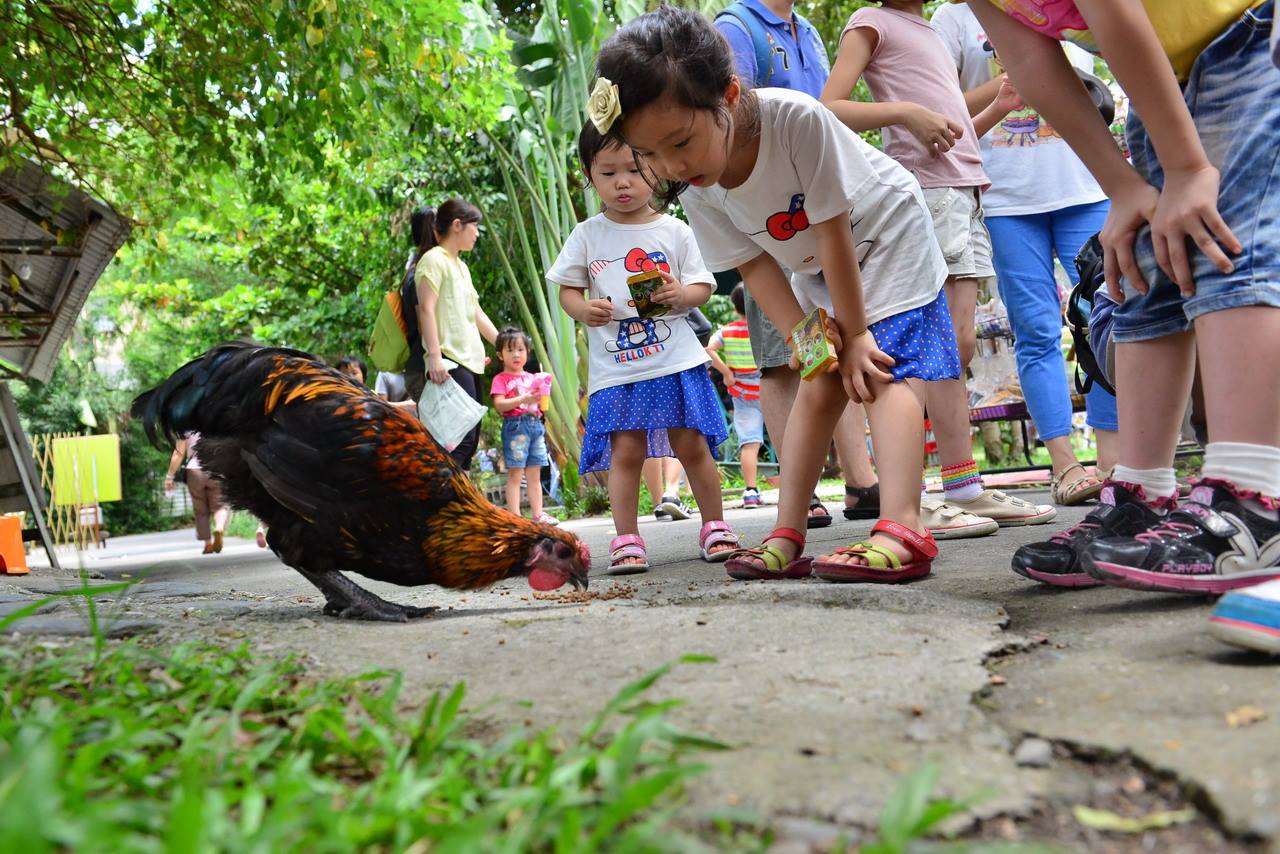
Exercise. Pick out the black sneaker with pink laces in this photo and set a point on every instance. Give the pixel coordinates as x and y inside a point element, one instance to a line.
<point>1122,511</point>
<point>1212,543</point>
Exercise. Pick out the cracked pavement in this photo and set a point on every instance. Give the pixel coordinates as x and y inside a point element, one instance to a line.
<point>828,693</point>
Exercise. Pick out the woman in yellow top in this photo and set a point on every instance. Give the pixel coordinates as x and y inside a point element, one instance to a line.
<point>443,311</point>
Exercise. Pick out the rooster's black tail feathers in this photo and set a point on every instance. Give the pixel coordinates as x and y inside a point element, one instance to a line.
<point>204,389</point>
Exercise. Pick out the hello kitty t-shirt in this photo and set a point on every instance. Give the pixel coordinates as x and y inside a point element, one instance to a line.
<point>811,168</point>
<point>643,341</point>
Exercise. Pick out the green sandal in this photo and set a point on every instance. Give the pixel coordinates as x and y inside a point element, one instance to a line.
<point>767,563</point>
<point>882,564</point>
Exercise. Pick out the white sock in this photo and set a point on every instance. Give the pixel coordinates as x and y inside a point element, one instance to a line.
<point>1255,468</point>
<point>1157,483</point>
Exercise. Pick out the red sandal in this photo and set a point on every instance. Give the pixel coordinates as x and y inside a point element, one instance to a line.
<point>768,563</point>
<point>882,564</point>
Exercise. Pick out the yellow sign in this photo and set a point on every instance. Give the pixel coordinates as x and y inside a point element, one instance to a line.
<point>86,469</point>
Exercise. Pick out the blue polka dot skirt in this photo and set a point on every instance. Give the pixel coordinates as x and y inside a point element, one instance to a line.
<point>686,399</point>
<point>921,341</point>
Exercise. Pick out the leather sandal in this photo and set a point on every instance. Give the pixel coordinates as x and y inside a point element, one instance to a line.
<point>1078,491</point>
<point>713,534</point>
<point>768,563</point>
<point>821,521</point>
<point>882,564</point>
<point>868,506</point>
<point>627,546</point>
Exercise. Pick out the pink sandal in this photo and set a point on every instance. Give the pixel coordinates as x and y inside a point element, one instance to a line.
<point>627,546</point>
<point>713,534</point>
<point>768,563</point>
<point>882,564</point>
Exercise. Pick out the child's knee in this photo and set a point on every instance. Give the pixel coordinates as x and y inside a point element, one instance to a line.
<point>967,344</point>
<point>686,442</point>
<point>629,447</point>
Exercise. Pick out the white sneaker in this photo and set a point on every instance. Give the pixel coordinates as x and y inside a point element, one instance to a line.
<point>948,522</point>
<point>1007,510</point>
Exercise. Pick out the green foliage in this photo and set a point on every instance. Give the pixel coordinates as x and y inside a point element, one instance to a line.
<point>911,814</point>
<point>141,99</point>
<point>198,748</point>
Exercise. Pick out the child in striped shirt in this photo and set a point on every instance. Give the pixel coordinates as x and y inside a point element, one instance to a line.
<point>742,379</point>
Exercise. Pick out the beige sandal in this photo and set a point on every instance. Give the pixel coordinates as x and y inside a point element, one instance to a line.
<point>1078,491</point>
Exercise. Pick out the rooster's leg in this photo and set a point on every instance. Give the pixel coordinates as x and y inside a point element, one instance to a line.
<point>349,601</point>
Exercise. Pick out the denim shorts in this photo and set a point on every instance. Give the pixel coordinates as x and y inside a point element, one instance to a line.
<point>748,421</point>
<point>524,442</point>
<point>1234,97</point>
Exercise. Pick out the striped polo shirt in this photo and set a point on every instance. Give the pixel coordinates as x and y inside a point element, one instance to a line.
<point>735,350</point>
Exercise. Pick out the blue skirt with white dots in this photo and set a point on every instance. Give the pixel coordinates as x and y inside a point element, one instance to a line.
<point>686,399</point>
<point>921,341</point>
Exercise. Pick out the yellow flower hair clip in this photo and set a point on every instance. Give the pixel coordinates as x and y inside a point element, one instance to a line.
<point>603,107</point>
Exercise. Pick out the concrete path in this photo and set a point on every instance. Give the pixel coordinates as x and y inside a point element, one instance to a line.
<point>829,693</point>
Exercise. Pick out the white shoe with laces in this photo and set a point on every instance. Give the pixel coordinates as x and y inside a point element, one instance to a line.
<point>948,522</point>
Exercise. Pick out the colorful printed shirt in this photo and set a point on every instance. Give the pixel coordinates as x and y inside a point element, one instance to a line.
<point>645,340</point>
<point>733,340</point>
<point>1032,169</point>
<point>1184,27</point>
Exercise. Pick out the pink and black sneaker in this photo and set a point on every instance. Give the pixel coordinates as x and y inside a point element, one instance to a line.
<point>1122,511</point>
<point>1211,544</point>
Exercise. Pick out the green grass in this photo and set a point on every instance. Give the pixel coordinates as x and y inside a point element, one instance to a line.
<point>199,748</point>
<point>242,525</point>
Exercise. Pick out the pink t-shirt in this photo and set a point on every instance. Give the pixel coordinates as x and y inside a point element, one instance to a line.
<point>514,385</point>
<point>910,63</point>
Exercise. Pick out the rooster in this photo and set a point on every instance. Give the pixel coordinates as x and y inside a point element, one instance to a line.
<point>345,481</point>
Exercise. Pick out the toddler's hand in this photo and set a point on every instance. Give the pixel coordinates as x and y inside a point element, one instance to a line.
<point>671,291</point>
<point>599,312</point>
<point>1130,211</point>
<point>860,368</point>
<point>1008,99</point>
<point>937,132</point>
<point>1188,208</point>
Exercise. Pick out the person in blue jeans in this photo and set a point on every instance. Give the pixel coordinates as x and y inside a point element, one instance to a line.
<point>1192,254</point>
<point>1042,203</point>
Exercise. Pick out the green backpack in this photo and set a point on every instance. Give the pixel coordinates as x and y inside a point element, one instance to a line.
<point>389,343</point>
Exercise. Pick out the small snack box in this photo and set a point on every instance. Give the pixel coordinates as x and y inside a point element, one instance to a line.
<point>642,286</point>
<point>543,382</point>
<point>813,348</point>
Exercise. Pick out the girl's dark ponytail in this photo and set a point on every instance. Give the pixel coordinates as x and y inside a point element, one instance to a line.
<point>426,230</point>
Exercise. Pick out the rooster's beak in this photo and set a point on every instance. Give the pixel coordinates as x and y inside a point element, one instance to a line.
<point>578,580</point>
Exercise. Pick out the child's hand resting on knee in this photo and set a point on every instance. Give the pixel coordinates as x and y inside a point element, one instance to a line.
<point>1188,209</point>
<point>860,367</point>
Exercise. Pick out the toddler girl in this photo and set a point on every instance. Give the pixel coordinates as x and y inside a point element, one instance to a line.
<point>631,274</point>
<point>519,395</point>
<point>773,177</point>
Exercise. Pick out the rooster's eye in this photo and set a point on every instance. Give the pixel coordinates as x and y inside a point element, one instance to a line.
<point>563,552</point>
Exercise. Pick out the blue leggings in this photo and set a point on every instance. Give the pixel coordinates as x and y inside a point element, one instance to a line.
<point>1023,249</point>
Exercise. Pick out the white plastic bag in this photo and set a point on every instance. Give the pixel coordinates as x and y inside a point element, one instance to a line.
<point>447,411</point>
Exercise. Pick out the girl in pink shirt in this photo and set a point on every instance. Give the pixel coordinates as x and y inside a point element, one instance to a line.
<point>520,396</point>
